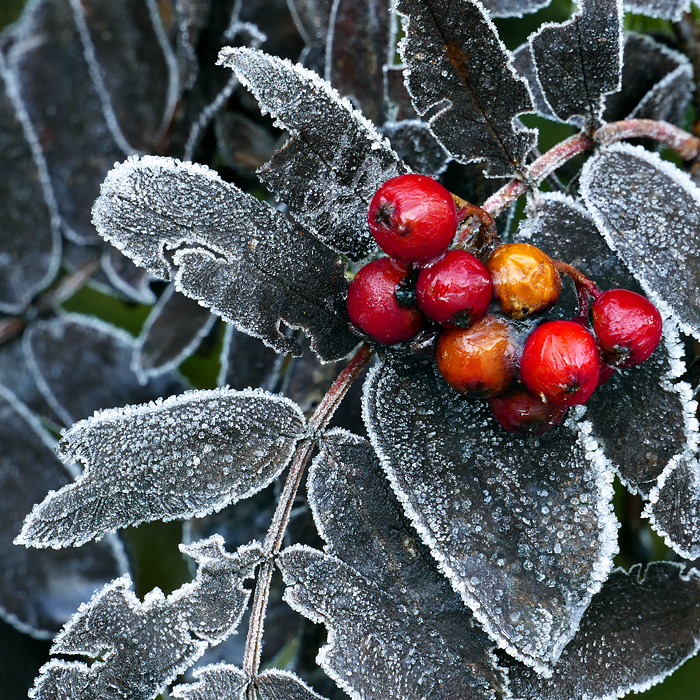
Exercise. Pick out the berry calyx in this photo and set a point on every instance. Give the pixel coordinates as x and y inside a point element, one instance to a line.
<point>413,218</point>
<point>560,363</point>
<point>628,327</point>
<point>374,308</point>
<point>455,290</point>
<point>525,279</point>
<point>519,411</point>
<point>481,360</point>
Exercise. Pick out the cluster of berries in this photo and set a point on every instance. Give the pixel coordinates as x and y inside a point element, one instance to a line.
<point>529,381</point>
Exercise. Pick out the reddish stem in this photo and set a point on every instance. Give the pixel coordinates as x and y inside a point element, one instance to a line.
<point>580,280</point>
<point>685,145</point>
<point>275,534</point>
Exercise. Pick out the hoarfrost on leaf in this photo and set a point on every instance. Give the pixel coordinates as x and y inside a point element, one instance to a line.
<point>457,63</point>
<point>329,170</point>
<point>649,212</point>
<point>644,419</point>
<point>671,10</point>
<point>183,457</point>
<point>236,255</point>
<point>523,530</point>
<point>143,646</point>
<point>637,630</point>
<point>396,629</point>
<point>580,61</point>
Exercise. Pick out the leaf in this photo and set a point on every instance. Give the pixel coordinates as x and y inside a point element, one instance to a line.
<point>361,42</point>
<point>30,242</point>
<point>329,170</point>
<point>55,348</point>
<point>246,362</point>
<point>172,332</point>
<point>524,66</point>
<point>395,627</point>
<point>656,83</point>
<point>133,282</point>
<point>416,146</point>
<point>245,261</point>
<point>311,18</point>
<point>642,417</point>
<point>133,63</point>
<point>513,8</point>
<point>144,646</point>
<point>65,109</point>
<point>40,590</point>
<point>649,212</point>
<point>182,457</point>
<point>674,506</point>
<point>664,9</point>
<point>580,61</point>
<point>639,629</point>
<point>244,145</point>
<point>522,529</point>
<point>457,64</point>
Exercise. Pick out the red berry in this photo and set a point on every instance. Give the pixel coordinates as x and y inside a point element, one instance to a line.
<point>454,290</point>
<point>560,363</point>
<point>519,411</point>
<point>373,307</point>
<point>413,218</point>
<point>525,279</point>
<point>481,359</point>
<point>628,327</point>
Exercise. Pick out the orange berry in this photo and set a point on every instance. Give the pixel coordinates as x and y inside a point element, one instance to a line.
<point>525,279</point>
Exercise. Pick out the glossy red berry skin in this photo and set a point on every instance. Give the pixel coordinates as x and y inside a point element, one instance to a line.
<point>413,218</point>
<point>560,363</point>
<point>455,290</point>
<point>372,304</point>
<point>628,327</point>
<point>480,360</point>
<point>519,411</point>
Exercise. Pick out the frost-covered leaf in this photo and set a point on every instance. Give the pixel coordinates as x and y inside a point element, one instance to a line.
<point>246,362</point>
<point>330,169</point>
<point>245,261</point>
<point>360,43</point>
<point>172,332</point>
<point>524,65</point>
<point>649,212</point>
<point>66,110</point>
<point>657,83</point>
<point>580,61</point>
<point>311,18</point>
<point>226,682</point>
<point>30,243</point>
<point>132,281</point>
<point>513,8</point>
<point>523,529</point>
<point>145,645</point>
<point>39,591</point>
<point>133,63</point>
<point>415,144</point>
<point>674,506</point>
<point>664,9</point>
<point>643,419</point>
<point>179,458</point>
<point>637,630</point>
<point>81,364</point>
<point>457,63</point>
<point>396,629</point>
<point>244,145</point>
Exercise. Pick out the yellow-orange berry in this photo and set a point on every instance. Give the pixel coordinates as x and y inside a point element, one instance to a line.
<point>525,279</point>
<point>481,359</point>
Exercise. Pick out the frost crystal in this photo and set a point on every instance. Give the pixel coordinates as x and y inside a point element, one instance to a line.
<point>245,261</point>
<point>183,457</point>
<point>523,530</point>
<point>329,170</point>
<point>649,212</point>
<point>396,629</point>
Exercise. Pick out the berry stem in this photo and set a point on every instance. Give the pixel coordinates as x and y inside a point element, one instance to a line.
<point>683,143</point>
<point>465,210</point>
<point>275,535</point>
<point>580,280</point>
